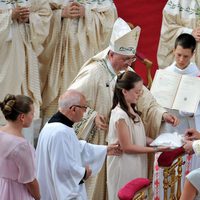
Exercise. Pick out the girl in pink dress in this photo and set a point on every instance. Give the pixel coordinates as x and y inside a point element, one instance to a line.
<point>17,162</point>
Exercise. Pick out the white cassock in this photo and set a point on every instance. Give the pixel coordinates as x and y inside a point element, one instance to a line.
<point>61,162</point>
<point>185,120</point>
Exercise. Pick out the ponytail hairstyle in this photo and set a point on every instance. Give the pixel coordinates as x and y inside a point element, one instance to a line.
<point>125,80</point>
<point>12,106</point>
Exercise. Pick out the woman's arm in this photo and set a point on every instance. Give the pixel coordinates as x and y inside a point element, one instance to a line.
<point>125,140</point>
<point>33,188</point>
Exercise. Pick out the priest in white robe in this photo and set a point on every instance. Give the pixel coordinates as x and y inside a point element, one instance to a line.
<point>79,30</point>
<point>64,162</point>
<point>179,16</point>
<point>96,80</point>
<point>24,26</point>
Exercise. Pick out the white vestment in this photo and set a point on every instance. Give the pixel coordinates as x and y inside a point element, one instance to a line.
<point>187,120</point>
<point>20,44</point>
<point>72,42</point>
<point>96,80</point>
<point>61,162</point>
<point>179,16</point>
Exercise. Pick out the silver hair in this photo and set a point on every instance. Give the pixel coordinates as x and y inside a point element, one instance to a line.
<point>69,100</point>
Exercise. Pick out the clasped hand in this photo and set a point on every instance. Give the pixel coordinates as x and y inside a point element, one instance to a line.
<point>101,122</point>
<point>73,10</point>
<point>196,34</point>
<point>21,14</point>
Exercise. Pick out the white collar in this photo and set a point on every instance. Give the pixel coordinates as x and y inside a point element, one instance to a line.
<point>110,68</point>
<point>191,69</point>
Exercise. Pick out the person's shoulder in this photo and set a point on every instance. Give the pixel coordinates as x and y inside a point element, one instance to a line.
<point>170,67</point>
<point>23,146</point>
<point>118,112</point>
<point>55,129</point>
<point>93,67</point>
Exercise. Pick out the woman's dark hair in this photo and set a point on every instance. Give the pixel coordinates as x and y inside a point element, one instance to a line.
<point>186,41</point>
<point>13,105</point>
<point>125,81</point>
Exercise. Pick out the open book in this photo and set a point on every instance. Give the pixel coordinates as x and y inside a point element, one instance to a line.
<point>176,91</point>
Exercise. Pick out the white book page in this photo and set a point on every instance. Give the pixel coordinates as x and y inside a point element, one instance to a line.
<point>164,87</point>
<point>188,94</point>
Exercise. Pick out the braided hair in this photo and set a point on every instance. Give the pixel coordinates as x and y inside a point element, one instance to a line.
<point>13,105</point>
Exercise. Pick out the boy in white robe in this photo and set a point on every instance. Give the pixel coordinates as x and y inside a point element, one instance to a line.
<point>64,162</point>
<point>184,49</point>
<point>179,16</point>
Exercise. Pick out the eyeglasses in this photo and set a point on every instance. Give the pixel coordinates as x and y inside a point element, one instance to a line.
<point>129,60</point>
<point>79,106</point>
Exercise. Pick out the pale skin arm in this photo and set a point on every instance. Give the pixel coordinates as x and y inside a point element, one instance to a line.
<point>189,191</point>
<point>125,141</point>
<point>33,188</point>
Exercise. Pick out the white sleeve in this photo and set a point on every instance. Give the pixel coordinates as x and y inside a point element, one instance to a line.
<point>187,30</point>
<point>93,155</point>
<point>196,147</point>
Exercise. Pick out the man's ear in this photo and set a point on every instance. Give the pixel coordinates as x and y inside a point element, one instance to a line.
<point>193,52</point>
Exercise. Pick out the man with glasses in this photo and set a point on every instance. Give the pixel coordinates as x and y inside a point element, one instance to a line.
<point>63,161</point>
<point>96,80</point>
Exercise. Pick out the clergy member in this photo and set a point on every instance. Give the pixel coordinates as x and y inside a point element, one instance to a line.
<point>79,29</point>
<point>64,162</point>
<point>24,26</point>
<point>179,16</point>
<point>96,80</point>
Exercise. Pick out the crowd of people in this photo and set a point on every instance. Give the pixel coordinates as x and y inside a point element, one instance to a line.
<point>69,63</point>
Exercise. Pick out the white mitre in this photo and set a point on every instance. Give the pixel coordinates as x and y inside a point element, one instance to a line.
<point>124,40</point>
